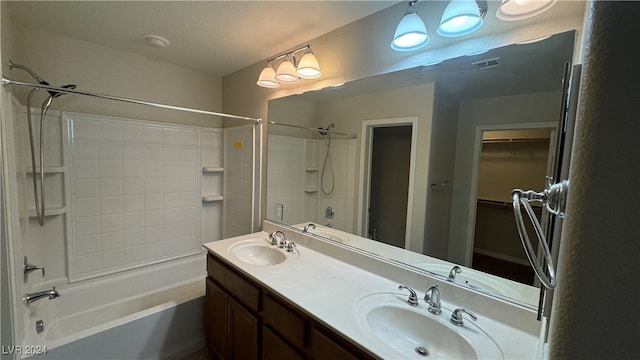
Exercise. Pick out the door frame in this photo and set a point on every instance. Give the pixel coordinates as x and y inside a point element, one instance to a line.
<point>364,183</point>
<point>475,168</point>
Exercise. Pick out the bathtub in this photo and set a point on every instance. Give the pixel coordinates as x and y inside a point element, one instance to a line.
<point>130,316</point>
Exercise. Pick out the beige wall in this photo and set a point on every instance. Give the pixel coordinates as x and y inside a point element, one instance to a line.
<point>595,307</point>
<point>63,60</point>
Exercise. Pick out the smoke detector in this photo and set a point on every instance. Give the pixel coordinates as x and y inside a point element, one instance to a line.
<point>156,41</point>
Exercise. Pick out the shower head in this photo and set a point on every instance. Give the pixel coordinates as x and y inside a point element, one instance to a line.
<point>40,80</point>
<point>29,71</point>
<point>325,131</point>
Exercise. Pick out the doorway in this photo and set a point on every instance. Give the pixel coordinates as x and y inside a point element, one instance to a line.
<point>387,166</point>
<point>508,159</point>
<point>390,155</point>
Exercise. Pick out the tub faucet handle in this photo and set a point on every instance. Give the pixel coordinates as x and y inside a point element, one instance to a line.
<point>413,297</point>
<point>27,268</point>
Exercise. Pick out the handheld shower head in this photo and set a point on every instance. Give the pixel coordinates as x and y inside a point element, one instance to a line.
<point>325,131</point>
<point>55,94</point>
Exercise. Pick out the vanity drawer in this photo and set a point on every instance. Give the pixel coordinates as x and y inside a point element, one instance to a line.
<point>285,322</point>
<point>242,290</point>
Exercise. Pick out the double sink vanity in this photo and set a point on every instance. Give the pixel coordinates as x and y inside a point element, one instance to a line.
<point>271,299</point>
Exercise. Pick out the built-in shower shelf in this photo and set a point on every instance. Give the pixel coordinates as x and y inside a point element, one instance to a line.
<point>212,198</point>
<point>311,169</point>
<point>311,190</point>
<point>47,169</point>
<point>53,211</point>
<point>212,169</point>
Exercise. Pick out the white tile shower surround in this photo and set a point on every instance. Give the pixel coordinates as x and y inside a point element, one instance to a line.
<point>287,180</point>
<point>239,168</point>
<point>136,193</point>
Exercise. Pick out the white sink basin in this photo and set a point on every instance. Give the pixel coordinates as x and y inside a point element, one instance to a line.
<point>257,252</point>
<point>407,331</point>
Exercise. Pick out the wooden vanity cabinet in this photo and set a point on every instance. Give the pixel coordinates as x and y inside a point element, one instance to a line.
<point>245,320</point>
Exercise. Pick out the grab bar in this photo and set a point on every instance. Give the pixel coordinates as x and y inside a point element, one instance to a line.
<point>554,198</point>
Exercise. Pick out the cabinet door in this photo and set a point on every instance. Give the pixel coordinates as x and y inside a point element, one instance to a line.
<point>244,330</point>
<point>322,347</point>
<point>274,348</point>
<point>217,321</point>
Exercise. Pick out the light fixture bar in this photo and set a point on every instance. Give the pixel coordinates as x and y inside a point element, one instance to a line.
<point>289,53</point>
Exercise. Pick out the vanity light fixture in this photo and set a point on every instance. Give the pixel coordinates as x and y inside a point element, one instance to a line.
<point>268,77</point>
<point>513,10</point>
<point>462,17</point>
<point>288,72</point>
<point>411,34</point>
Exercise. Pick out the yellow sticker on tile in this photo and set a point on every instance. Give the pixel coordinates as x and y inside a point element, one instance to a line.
<point>237,144</point>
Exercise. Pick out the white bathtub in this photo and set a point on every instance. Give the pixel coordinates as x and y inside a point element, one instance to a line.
<point>154,313</point>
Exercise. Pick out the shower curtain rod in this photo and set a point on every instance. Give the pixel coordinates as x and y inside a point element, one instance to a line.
<point>6,81</point>
<point>350,136</point>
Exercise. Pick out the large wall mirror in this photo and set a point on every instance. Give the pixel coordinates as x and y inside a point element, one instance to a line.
<point>418,165</point>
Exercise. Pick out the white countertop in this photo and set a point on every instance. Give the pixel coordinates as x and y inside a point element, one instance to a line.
<point>329,289</point>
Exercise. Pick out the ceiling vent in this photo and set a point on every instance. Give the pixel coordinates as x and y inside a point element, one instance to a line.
<point>488,63</point>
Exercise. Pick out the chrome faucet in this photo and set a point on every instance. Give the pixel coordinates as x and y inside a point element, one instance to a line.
<point>456,316</point>
<point>432,297</point>
<point>275,236</point>
<point>51,294</point>
<point>307,227</point>
<point>413,297</point>
<point>454,271</point>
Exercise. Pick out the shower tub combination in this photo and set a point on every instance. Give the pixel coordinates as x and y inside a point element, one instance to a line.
<point>116,210</point>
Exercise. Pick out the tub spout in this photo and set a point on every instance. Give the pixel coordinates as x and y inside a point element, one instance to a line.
<point>51,294</point>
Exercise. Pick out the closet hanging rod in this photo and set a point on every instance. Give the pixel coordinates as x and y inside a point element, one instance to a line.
<point>350,136</point>
<point>6,81</point>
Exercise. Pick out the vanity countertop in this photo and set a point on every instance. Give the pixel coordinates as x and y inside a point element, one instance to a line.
<point>329,290</point>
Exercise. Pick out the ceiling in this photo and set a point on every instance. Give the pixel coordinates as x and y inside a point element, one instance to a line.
<point>217,37</point>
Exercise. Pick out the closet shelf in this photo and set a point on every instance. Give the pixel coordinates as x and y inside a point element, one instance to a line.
<point>53,211</point>
<point>212,198</point>
<point>47,169</point>
<point>212,169</point>
<point>311,169</point>
<point>311,190</point>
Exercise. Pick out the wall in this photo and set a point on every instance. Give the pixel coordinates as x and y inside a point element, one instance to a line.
<point>516,109</point>
<point>595,312</point>
<point>441,164</point>
<point>94,68</point>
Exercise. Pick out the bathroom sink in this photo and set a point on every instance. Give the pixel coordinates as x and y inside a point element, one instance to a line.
<point>256,252</point>
<point>413,333</point>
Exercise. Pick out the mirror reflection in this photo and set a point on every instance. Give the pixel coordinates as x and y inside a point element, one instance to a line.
<point>418,165</point>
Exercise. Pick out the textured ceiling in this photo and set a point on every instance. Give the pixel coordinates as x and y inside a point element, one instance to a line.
<point>218,37</point>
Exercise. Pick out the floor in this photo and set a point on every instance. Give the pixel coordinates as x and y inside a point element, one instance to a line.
<point>202,354</point>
